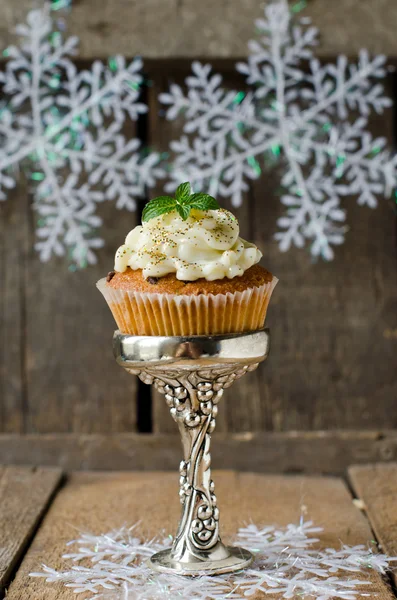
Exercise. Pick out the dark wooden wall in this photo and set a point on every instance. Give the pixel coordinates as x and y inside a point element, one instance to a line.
<point>334,330</point>
<point>333,360</point>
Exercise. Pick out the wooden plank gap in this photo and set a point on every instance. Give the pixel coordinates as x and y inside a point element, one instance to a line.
<point>326,452</point>
<point>144,412</point>
<point>376,486</point>
<point>25,496</point>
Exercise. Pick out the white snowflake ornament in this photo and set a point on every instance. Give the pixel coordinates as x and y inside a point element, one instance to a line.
<point>299,110</point>
<point>287,565</point>
<point>65,127</point>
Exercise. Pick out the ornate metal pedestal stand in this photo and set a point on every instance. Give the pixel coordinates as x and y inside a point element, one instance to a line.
<point>192,372</point>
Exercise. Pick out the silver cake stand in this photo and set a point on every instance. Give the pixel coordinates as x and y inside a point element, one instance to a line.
<point>192,373</point>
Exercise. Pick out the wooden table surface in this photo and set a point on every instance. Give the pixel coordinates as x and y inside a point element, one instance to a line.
<point>41,509</point>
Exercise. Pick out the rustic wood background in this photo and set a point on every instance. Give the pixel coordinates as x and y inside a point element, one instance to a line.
<point>186,28</point>
<point>332,366</point>
<point>42,509</point>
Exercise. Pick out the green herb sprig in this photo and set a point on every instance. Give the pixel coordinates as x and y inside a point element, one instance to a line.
<point>183,203</point>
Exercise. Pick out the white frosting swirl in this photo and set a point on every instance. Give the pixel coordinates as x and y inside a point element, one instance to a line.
<point>206,245</point>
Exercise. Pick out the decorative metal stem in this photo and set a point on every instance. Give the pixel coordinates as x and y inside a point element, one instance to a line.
<point>193,382</point>
<point>194,408</point>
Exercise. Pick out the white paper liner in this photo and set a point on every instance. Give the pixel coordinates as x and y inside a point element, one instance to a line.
<point>146,313</point>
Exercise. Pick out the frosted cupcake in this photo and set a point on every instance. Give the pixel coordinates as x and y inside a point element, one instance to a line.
<point>185,271</point>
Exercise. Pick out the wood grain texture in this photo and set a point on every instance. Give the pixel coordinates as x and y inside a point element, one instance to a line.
<point>334,326</point>
<point>293,452</point>
<point>24,497</point>
<point>99,503</point>
<point>244,408</point>
<point>376,486</point>
<point>57,371</point>
<point>14,225</point>
<point>208,29</point>
<point>330,322</point>
<point>73,381</point>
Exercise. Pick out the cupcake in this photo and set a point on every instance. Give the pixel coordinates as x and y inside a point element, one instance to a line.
<point>185,271</point>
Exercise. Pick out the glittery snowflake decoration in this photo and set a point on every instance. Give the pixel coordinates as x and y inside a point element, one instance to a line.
<point>312,117</point>
<point>64,127</point>
<point>286,563</point>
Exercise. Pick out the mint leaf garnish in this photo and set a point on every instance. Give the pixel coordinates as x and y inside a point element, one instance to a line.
<point>183,211</point>
<point>158,206</point>
<point>183,203</point>
<point>203,202</point>
<point>182,192</point>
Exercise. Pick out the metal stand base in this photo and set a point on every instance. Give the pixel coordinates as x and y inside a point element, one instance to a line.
<point>238,559</point>
<point>193,373</point>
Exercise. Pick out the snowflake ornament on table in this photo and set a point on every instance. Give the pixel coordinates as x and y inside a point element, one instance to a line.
<point>61,123</point>
<point>298,110</point>
<point>287,564</point>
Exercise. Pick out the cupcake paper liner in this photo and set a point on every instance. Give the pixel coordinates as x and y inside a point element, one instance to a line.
<point>138,313</point>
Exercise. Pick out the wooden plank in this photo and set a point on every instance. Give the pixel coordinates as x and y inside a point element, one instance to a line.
<point>332,322</point>
<point>126,498</point>
<point>160,132</point>
<point>74,383</point>
<point>57,371</point>
<point>376,486</point>
<point>14,218</point>
<point>245,406</point>
<point>25,493</point>
<point>319,373</point>
<point>210,29</point>
<point>292,452</point>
